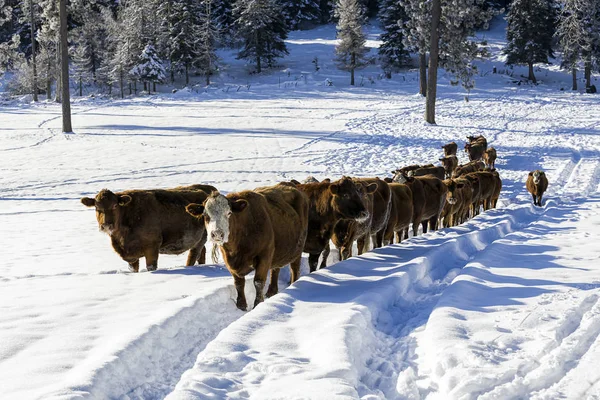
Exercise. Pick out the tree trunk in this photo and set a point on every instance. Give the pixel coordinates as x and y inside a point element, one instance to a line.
<point>436,11</point>
<point>574,75</point>
<point>187,74</point>
<point>423,74</point>
<point>588,74</point>
<point>129,84</point>
<point>146,88</point>
<point>208,79</point>
<point>353,61</point>
<point>64,49</point>
<point>258,69</point>
<point>48,80</point>
<point>57,93</point>
<point>33,50</point>
<point>531,75</point>
<point>80,87</point>
<point>154,87</point>
<point>121,83</point>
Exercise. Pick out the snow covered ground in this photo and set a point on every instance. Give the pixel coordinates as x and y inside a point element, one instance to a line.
<point>504,306</point>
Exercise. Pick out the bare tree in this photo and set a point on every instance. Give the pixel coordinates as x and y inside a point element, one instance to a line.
<point>434,48</point>
<point>33,51</point>
<point>64,49</point>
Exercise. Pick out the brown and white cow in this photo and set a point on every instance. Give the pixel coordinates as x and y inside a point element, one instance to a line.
<point>146,223</point>
<point>489,158</point>
<point>537,184</point>
<point>262,230</point>
<point>450,149</point>
<point>401,213</point>
<point>449,163</point>
<point>329,203</point>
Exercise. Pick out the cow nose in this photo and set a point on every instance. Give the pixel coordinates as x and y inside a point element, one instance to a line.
<point>217,235</point>
<point>364,215</point>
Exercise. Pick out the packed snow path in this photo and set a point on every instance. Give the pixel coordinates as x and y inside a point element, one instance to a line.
<point>462,312</point>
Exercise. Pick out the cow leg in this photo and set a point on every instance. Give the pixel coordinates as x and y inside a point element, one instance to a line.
<point>540,200</point>
<point>361,244</point>
<point>192,256</point>
<point>424,226</point>
<point>433,223</point>
<point>202,257</point>
<point>295,269</point>
<point>534,199</point>
<point>399,236</point>
<point>240,284</point>
<point>151,255</point>
<point>261,270</point>
<point>325,255</point>
<point>134,266</point>
<point>273,285</point>
<point>379,237</point>
<point>313,260</point>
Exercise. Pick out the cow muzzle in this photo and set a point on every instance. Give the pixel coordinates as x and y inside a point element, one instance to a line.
<point>452,201</point>
<point>362,217</point>
<point>217,236</point>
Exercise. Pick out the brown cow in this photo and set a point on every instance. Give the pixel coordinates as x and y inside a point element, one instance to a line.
<point>382,198</point>
<point>408,168</point>
<point>450,149</point>
<point>329,203</point>
<point>458,202</point>
<point>536,184</point>
<point>449,163</point>
<point>435,197</point>
<point>144,223</point>
<point>478,140</point>
<point>346,231</point>
<point>418,195</point>
<point>401,213</point>
<point>497,188</point>
<point>438,172</point>
<point>487,186</point>
<point>475,151</point>
<point>489,158</point>
<point>261,230</point>
<point>472,166</point>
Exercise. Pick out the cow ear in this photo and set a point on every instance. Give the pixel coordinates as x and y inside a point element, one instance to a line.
<point>238,205</point>
<point>388,179</point>
<point>295,182</point>
<point>194,209</point>
<point>124,200</point>
<point>326,180</point>
<point>88,201</point>
<point>542,173</point>
<point>334,188</point>
<point>372,188</point>
<point>531,174</point>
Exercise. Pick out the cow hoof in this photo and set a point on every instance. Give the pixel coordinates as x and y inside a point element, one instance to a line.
<point>271,293</point>
<point>152,268</point>
<point>242,306</point>
<point>133,269</point>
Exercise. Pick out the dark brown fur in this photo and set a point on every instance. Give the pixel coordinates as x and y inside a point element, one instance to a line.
<point>267,234</point>
<point>449,163</point>
<point>537,191</point>
<point>149,222</point>
<point>467,168</point>
<point>459,193</point>
<point>401,213</point>
<point>481,140</point>
<point>381,208</point>
<point>438,172</point>
<point>435,198</point>
<point>497,188</point>
<point>487,187</point>
<point>450,149</point>
<point>475,151</point>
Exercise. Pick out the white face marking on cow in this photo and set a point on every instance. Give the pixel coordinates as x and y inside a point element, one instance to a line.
<point>399,178</point>
<point>217,225</point>
<point>536,177</point>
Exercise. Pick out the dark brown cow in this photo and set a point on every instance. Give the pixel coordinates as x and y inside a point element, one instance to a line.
<point>449,163</point>
<point>458,202</point>
<point>418,195</point>
<point>450,149</point>
<point>487,186</point>
<point>408,168</point>
<point>489,158</point>
<point>144,223</point>
<point>467,168</point>
<point>536,184</point>
<point>438,172</point>
<point>382,198</point>
<point>401,213</point>
<point>478,140</point>
<point>261,230</point>
<point>435,196</point>
<point>475,151</point>
<point>346,231</point>
<point>497,188</point>
<point>329,203</point>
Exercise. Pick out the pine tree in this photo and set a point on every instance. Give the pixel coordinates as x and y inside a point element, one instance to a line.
<point>392,51</point>
<point>149,68</point>
<point>8,49</point>
<point>208,35</point>
<point>531,26</point>
<point>222,15</point>
<point>298,11</point>
<point>351,52</point>
<point>417,34</point>
<point>185,24</point>
<point>82,60</point>
<point>262,28</point>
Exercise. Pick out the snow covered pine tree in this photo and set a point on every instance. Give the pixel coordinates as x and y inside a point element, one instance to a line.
<point>149,68</point>
<point>351,52</point>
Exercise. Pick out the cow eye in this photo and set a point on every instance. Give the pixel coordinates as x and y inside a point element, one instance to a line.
<point>206,217</point>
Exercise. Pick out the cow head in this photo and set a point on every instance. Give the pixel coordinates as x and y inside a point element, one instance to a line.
<point>537,174</point>
<point>347,200</point>
<point>467,147</point>
<point>453,190</point>
<point>108,208</point>
<point>401,177</point>
<point>216,211</point>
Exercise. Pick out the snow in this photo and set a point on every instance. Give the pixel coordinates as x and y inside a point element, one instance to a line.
<point>503,306</point>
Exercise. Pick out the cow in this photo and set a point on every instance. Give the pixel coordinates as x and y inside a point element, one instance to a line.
<point>146,223</point>
<point>449,163</point>
<point>438,172</point>
<point>382,198</point>
<point>478,140</point>
<point>329,203</point>
<point>401,213</point>
<point>475,151</point>
<point>472,166</point>
<point>310,179</point>
<point>262,230</point>
<point>487,186</point>
<point>450,149</point>
<point>458,202</point>
<point>346,231</point>
<point>434,193</point>
<point>497,188</point>
<point>489,158</point>
<point>408,168</point>
<point>418,196</point>
<point>536,184</point>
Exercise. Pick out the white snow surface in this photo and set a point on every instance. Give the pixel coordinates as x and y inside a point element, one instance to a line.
<point>505,306</point>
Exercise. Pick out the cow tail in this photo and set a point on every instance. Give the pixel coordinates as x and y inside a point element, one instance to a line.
<point>215,253</point>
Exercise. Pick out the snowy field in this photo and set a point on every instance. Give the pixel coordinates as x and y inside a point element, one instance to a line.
<point>506,306</point>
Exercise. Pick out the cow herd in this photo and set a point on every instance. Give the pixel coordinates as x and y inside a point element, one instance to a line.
<point>267,228</point>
